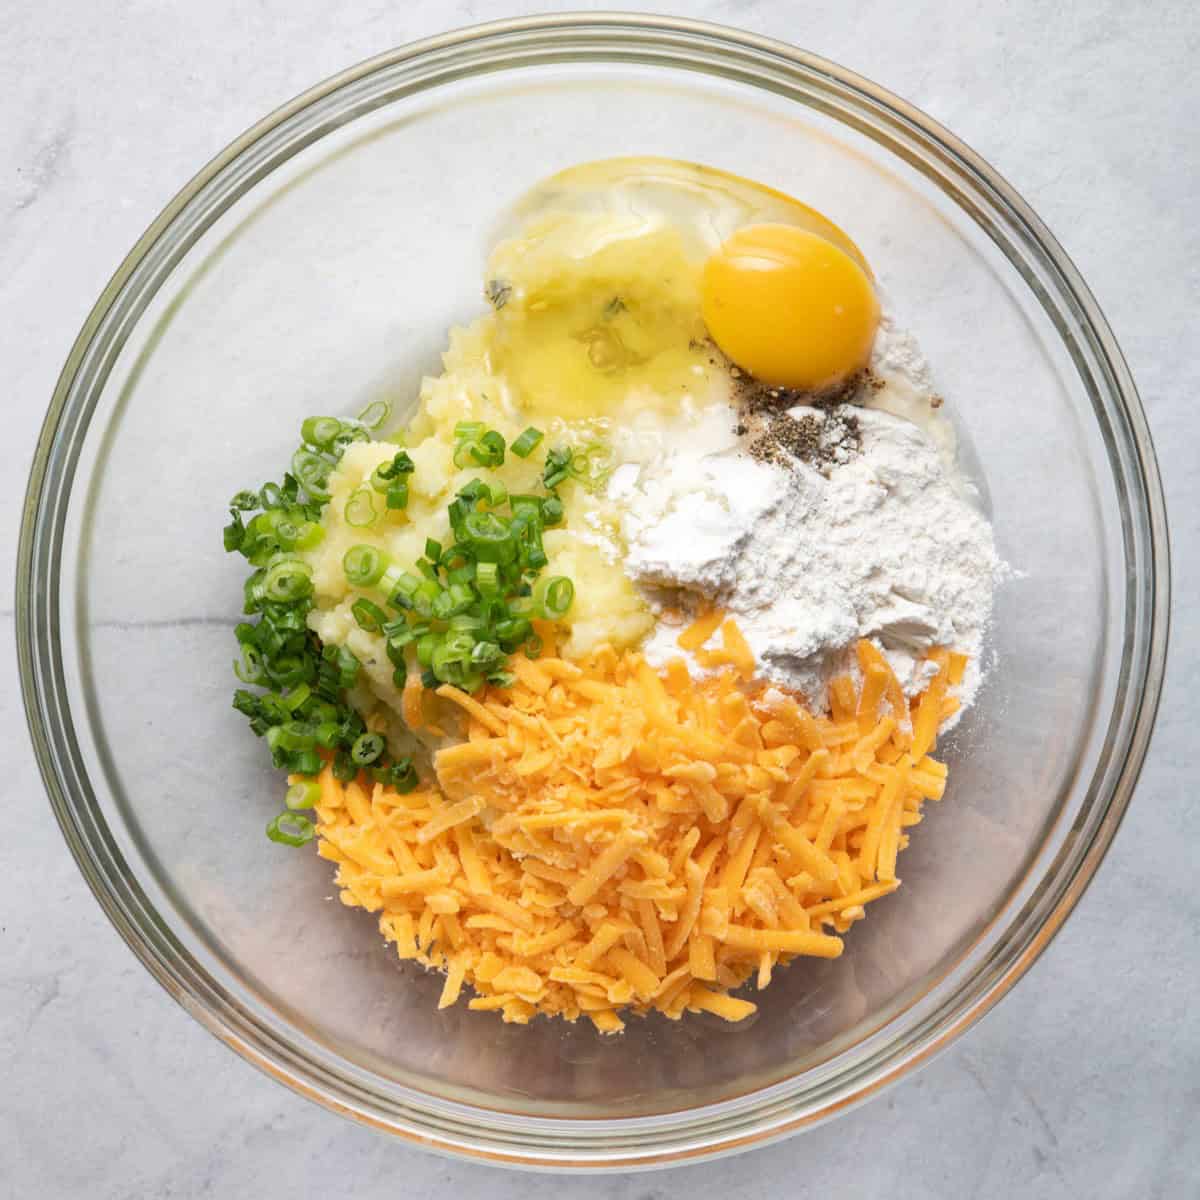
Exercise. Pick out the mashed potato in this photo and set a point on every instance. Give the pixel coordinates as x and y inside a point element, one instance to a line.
<point>550,352</point>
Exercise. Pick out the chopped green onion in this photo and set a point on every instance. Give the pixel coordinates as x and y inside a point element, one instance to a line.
<point>399,465</point>
<point>234,534</point>
<point>456,599</point>
<point>250,669</point>
<point>344,767</point>
<point>386,583</point>
<point>288,670</point>
<point>487,578</point>
<point>427,591</point>
<point>245,501</point>
<point>477,446</point>
<point>592,465</point>
<point>374,415</point>
<point>367,748</point>
<point>486,654</point>
<point>291,829</point>
<point>552,510</point>
<point>308,535</point>
<point>426,644</point>
<point>312,472</point>
<point>527,443</point>
<point>349,432</point>
<point>558,465</point>
<point>401,776</point>
<point>360,508</point>
<point>368,614</point>
<point>397,496</point>
<point>489,537</point>
<point>433,550</point>
<point>287,581</point>
<point>270,496</point>
<point>364,565</point>
<point>404,590</point>
<point>320,431</point>
<point>303,713</point>
<point>294,735</point>
<point>475,490</point>
<point>395,647</point>
<point>304,794</point>
<point>308,762</point>
<point>343,662</point>
<point>287,531</point>
<point>552,597</point>
<point>512,631</point>
<point>489,452</point>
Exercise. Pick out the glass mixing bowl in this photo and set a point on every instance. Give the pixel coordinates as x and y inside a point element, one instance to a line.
<point>316,265</point>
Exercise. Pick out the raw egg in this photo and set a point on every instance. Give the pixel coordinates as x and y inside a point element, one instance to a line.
<point>605,276</point>
<point>789,306</point>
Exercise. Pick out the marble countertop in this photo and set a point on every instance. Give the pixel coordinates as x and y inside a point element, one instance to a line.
<point>1083,1082</point>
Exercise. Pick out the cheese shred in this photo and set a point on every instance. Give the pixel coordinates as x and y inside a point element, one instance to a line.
<point>610,838</point>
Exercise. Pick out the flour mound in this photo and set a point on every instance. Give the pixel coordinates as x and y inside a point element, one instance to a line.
<point>884,546</point>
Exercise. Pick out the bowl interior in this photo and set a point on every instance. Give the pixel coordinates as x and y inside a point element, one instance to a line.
<point>328,276</point>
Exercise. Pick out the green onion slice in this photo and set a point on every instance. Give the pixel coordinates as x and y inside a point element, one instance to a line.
<point>364,565</point>
<point>312,473</point>
<point>287,581</point>
<point>368,614</point>
<point>374,415</point>
<point>309,534</point>
<point>250,669</point>
<point>245,501</point>
<point>367,748</point>
<point>558,467</point>
<point>291,829</point>
<point>360,508</point>
<point>321,431</point>
<point>487,578</point>
<point>304,794</point>
<point>490,450</point>
<point>527,443</point>
<point>552,510</point>
<point>553,596</point>
<point>489,537</point>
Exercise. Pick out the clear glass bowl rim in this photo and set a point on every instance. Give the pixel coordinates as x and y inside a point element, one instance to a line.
<point>755,1117</point>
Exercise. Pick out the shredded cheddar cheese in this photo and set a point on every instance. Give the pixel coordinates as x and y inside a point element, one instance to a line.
<point>611,837</point>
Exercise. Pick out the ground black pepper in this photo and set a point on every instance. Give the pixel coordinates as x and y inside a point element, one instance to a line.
<point>826,435</point>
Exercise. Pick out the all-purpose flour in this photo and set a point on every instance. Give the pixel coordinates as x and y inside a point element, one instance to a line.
<point>883,546</point>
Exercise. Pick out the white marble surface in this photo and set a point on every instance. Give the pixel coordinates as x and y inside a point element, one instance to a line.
<point>1086,1081</point>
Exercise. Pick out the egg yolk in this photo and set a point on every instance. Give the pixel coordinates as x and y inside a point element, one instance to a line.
<point>789,306</point>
